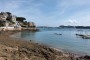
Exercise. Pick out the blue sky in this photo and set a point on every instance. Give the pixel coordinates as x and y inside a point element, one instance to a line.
<point>50,12</point>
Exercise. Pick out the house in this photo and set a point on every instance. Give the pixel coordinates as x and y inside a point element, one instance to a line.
<point>8,22</point>
<point>31,26</point>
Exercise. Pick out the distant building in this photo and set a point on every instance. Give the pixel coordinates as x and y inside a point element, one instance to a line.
<point>32,26</point>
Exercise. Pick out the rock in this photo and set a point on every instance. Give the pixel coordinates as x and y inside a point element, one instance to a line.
<point>86,57</point>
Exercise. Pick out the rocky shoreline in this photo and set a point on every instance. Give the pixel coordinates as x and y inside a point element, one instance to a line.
<point>18,49</point>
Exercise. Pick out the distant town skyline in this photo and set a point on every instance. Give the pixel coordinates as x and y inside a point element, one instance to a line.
<point>50,12</point>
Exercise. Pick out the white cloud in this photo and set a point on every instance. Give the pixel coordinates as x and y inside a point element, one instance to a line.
<point>72,22</point>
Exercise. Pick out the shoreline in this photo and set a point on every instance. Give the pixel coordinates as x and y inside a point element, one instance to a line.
<point>31,50</point>
<point>66,51</point>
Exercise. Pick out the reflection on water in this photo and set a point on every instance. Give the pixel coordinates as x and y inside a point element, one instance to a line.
<point>27,34</point>
<point>68,40</point>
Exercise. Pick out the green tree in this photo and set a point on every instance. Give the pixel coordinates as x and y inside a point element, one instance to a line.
<point>20,19</point>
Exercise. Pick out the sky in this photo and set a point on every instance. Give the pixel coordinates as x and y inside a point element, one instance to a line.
<point>50,12</point>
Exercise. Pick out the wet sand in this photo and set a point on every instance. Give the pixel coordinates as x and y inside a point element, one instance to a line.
<point>19,49</point>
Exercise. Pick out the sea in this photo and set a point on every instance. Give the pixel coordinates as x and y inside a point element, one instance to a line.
<point>59,38</point>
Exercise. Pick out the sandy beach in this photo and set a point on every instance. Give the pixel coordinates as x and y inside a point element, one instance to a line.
<point>19,49</point>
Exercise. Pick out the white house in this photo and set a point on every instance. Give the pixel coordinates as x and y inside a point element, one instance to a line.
<point>8,25</point>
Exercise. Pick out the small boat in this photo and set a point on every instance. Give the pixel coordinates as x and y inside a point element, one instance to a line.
<point>79,34</point>
<point>58,34</point>
<point>86,36</point>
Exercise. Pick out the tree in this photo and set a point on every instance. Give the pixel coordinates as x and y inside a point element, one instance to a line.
<point>9,18</point>
<point>21,19</point>
<point>9,13</point>
<point>2,23</point>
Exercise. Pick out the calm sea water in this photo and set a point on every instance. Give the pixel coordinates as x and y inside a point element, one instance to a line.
<point>67,41</point>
